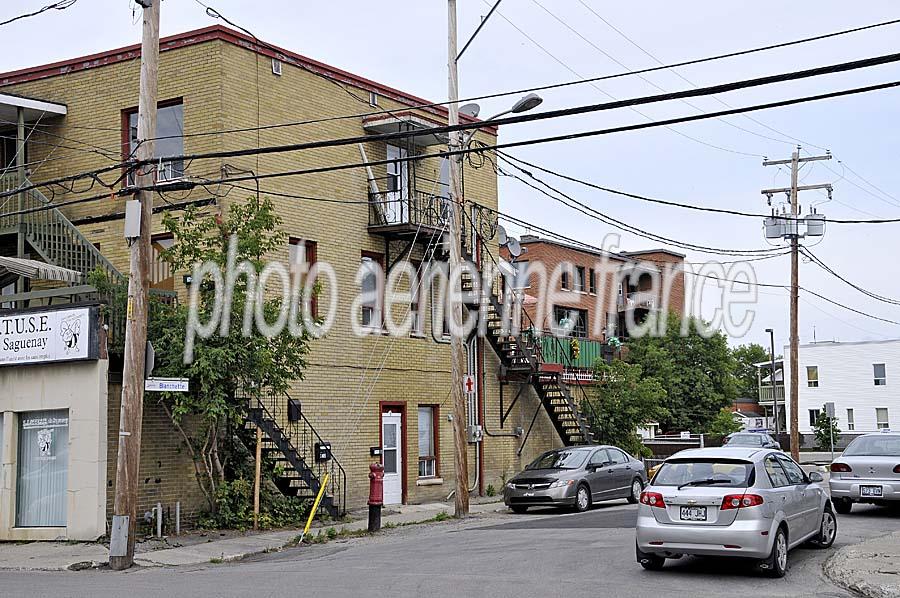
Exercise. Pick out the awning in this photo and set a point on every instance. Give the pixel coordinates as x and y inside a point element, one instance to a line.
<point>37,270</point>
<point>33,108</point>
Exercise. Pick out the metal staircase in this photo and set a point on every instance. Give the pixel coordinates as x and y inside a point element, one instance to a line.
<point>290,440</point>
<point>511,334</point>
<point>49,233</point>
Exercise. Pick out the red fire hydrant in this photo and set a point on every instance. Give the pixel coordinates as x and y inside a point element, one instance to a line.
<point>376,495</point>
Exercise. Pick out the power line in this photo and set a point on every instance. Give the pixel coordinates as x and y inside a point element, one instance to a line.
<point>61,5</point>
<point>809,254</point>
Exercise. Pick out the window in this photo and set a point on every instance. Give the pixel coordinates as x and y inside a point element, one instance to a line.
<point>570,321</point>
<point>427,441</point>
<point>777,475</point>
<point>814,416</point>
<point>372,288</point>
<point>522,280</point>
<point>880,374</point>
<point>161,274</point>
<point>795,475</point>
<point>169,140</point>
<point>599,458</point>
<point>617,456</point>
<point>592,281</point>
<point>881,418</point>
<point>303,251</point>
<point>579,279</point>
<point>565,282</point>
<point>851,424</point>
<point>43,467</point>
<point>415,303</point>
<point>812,376</point>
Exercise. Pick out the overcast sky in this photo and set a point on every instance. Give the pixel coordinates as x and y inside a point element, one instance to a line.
<point>403,44</point>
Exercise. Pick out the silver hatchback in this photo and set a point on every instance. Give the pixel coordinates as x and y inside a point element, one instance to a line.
<point>868,471</point>
<point>742,502</point>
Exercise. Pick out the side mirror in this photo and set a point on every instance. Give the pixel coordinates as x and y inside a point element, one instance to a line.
<point>815,477</point>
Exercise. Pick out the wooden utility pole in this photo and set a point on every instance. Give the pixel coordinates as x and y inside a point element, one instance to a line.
<point>131,412</point>
<point>794,237</point>
<point>461,460</point>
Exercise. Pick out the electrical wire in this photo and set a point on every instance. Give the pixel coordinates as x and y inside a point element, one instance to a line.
<point>61,5</point>
<point>809,255</point>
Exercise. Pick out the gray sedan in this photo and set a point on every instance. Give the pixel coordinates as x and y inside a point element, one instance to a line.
<point>742,502</point>
<point>868,471</point>
<point>576,477</point>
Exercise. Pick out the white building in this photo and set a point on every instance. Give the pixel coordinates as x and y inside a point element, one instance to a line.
<point>862,379</point>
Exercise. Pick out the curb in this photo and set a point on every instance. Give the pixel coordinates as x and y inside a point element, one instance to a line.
<point>843,569</point>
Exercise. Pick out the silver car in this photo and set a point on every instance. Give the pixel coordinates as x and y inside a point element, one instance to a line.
<point>868,471</point>
<point>576,477</point>
<point>743,502</point>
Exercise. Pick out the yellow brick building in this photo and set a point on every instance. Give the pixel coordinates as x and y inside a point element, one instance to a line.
<point>219,90</point>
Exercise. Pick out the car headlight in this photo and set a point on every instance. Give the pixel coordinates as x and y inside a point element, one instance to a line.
<point>510,486</point>
<point>562,483</point>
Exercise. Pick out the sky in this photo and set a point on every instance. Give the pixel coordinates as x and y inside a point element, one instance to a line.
<point>715,162</point>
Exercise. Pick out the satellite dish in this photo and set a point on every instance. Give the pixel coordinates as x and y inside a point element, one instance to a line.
<point>501,235</point>
<point>470,109</point>
<point>512,244</point>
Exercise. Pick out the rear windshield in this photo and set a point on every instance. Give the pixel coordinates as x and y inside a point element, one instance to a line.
<point>874,446</point>
<point>716,473</point>
<point>565,459</point>
<point>745,440</point>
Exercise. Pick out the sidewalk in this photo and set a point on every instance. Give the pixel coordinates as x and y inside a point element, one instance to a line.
<point>871,568</point>
<point>58,556</point>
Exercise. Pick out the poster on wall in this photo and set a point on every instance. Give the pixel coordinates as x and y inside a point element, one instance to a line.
<point>47,426</point>
<point>48,336</point>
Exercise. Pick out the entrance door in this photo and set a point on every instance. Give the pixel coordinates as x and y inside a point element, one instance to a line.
<point>396,208</point>
<point>392,457</point>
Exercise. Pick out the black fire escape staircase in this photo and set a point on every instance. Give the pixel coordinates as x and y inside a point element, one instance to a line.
<point>511,334</point>
<point>295,446</point>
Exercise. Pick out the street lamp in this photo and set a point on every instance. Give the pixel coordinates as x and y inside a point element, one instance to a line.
<point>772,376</point>
<point>525,103</point>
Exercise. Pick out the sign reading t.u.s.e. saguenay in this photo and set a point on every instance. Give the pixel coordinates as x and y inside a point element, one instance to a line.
<point>44,336</point>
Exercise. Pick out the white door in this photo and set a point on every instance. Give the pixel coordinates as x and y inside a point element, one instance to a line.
<point>396,208</point>
<point>392,457</point>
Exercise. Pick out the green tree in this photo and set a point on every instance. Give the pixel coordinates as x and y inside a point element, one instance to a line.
<point>696,370</point>
<point>747,384</point>
<point>620,401</point>
<point>824,430</point>
<point>723,424</point>
<point>210,417</point>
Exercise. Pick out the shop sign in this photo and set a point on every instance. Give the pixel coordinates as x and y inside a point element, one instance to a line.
<point>28,337</point>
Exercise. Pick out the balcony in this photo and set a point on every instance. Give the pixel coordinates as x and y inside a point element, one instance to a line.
<point>766,394</point>
<point>638,300</point>
<point>407,213</point>
<point>559,351</point>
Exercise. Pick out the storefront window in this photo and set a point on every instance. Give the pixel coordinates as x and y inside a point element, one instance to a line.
<point>42,469</point>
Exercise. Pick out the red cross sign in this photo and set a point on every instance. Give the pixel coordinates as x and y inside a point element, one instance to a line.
<point>468,382</point>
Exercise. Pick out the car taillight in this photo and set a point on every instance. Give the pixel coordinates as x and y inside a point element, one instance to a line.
<point>841,468</point>
<point>653,499</point>
<point>897,469</point>
<point>741,501</point>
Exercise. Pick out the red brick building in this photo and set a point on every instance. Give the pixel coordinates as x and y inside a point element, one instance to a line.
<point>599,293</point>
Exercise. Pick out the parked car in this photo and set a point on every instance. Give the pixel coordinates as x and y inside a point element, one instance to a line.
<point>868,471</point>
<point>751,440</point>
<point>576,477</point>
<point>732,501</point>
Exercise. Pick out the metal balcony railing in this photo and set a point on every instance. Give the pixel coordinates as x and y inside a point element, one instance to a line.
<point>403,209</point>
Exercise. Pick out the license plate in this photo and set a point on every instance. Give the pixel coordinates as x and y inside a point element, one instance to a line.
<point>693,513</point>
<point>870,491</point>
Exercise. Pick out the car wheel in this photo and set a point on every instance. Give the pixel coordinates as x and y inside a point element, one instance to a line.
<point>637,486</point>
<point>827,530</point>
<point>519,509</point>
<point>650,562</point>
<point>776,563</point>
<point>843,505</point>
<point>582,499</point>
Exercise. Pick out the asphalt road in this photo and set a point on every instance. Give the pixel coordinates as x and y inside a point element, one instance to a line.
<point>539,554</point>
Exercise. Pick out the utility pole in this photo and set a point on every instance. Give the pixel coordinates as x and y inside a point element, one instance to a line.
<point>461,458</point>
<point>790,229</point>
<point>131,412</point>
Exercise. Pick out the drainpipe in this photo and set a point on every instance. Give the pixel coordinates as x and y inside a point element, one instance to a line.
<point>20,174</point>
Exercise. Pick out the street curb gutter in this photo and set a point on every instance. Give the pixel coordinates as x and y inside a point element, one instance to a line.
<point>871,569</point>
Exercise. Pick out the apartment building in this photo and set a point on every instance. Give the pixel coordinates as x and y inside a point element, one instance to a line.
<point>860,378</point>
<point>592,296</point>
<point>217,87</point>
